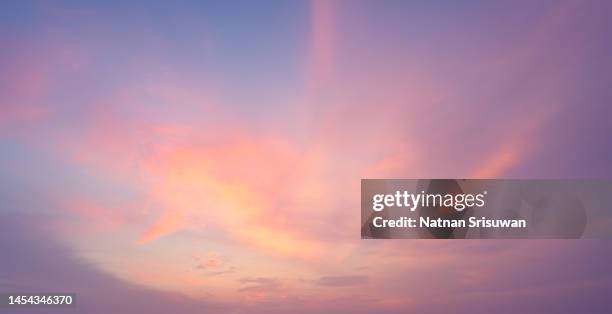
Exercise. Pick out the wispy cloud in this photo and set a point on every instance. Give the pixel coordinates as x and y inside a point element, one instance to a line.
<point>341,281</point>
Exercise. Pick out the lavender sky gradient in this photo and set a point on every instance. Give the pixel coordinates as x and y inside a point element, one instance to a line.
<point>205,157</point>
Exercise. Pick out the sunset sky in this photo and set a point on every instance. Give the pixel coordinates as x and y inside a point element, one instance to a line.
<point>206,157</point>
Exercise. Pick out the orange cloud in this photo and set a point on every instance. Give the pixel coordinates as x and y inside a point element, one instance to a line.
<point>251,188</point>
<point>168,223</point>
<point>500,162</point>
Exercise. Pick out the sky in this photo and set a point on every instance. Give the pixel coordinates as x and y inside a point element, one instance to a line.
<point>206,156</point>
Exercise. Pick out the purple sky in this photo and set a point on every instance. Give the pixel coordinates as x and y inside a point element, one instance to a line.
<point>206,156</point>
